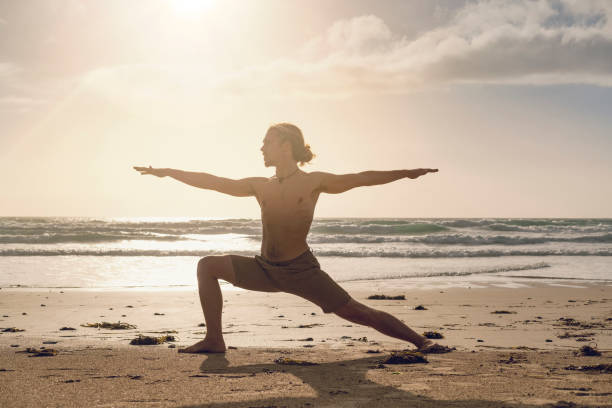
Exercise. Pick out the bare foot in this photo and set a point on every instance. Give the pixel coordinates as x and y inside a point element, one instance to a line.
<point>205,346</point>
<point>427,344</point>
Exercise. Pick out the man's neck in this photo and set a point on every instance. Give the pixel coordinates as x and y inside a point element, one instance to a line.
<point>285,170</point>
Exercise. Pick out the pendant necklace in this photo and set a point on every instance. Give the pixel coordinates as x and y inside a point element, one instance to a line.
<point>281,179</point>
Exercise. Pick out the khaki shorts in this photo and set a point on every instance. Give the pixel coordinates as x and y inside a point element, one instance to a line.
<point>301,276</point>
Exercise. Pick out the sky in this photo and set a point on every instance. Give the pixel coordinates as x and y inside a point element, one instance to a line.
<point>510,100</point>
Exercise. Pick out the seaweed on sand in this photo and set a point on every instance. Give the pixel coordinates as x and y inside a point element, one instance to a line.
<point>113,326</point>
<point>436,349</point>
<point>433,335</point>
<point>385,297</point>
<point>514,359</point>
<point>290,361</point>
<point>570,322</point>
<point>42,352</point>
<point>588,351</point>
<point>568,335</point>
<point>405,357</point>
<point>303,326</point>
<point>148,340</point>
<point>602,368</point>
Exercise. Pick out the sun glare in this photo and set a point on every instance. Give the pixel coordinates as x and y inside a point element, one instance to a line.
<point>190,8</point>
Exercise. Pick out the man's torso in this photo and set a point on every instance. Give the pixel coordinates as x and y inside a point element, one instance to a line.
<point>287,209</point>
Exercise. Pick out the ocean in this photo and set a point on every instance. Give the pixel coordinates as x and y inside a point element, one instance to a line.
<point>162,253</point>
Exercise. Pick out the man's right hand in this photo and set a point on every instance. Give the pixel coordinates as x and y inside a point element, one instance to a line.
<point>151,170</point>
<point>415,173</point>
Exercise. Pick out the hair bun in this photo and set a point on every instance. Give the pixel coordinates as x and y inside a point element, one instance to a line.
<point>306,154</point>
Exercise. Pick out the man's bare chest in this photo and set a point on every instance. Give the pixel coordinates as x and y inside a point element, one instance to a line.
<point>277,198</point>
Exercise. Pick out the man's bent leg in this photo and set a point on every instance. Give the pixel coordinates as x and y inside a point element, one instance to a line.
<point>210,269</point>
<point>385,323</point>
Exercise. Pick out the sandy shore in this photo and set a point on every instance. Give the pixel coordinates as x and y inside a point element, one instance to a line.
<point>519,355</point>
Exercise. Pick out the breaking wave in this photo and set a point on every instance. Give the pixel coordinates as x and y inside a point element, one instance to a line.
<point>361,253</point>
<point>539,265</point>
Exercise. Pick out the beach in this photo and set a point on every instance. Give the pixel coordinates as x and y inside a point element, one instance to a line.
<point>515,346</point>
<point>446,162</point>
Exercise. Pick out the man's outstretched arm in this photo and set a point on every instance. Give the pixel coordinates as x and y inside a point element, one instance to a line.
<point>339,183</point>
<point>238,188</point>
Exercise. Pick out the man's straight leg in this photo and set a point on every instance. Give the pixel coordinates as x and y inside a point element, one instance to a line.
<point>382,321</point>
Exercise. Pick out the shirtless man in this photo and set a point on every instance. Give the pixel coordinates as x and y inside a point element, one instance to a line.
<point>287,202</point>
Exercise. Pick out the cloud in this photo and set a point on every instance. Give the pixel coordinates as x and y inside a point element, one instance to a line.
<point>21,95</point>
<point>485,42</point>
<point>8,70</point>
<point>174,93</point>
<point>358,36</point>
<point>516,42</point>
<point>9,101</point>
<point>18,104</point>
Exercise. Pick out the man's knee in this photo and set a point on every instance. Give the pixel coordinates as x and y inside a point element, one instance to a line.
<point>207,266</point>
<point>214,267</point>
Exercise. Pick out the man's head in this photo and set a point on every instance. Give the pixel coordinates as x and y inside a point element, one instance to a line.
<point>285,142</point>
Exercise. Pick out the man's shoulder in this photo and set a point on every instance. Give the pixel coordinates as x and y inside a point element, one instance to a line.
<point>255,183</point>
<point>316,179</point>
<point>318,174</point>
<point>257,180</point>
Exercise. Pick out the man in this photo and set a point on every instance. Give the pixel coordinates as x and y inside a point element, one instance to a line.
<point>287,202</point>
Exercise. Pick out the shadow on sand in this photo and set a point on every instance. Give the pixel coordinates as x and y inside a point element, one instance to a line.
<point>341,384</point>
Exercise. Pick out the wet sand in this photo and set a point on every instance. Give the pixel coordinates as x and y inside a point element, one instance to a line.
<point>514,346</point>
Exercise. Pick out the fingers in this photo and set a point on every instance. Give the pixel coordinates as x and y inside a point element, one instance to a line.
<point>422,172</point>
<point>143,170</point>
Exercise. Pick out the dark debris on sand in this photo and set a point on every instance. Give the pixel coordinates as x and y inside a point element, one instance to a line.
<point>42,352</point>
<point>601,368</point>
<point>12,330</point>
<point>433,335</point>
<point>514,359</point>
<point>562,404</point>
<point>149,341</point>
<point>385,297</point>
<point>303,326</point>
<point>437,349</point>
<point>568,335</point>
<point>405,357</point>
<point>113,326</point>
<point>291,361</point>
<point>570,322</point>
<point>588,351</point>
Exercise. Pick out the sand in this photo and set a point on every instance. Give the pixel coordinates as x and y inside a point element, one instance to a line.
<point>516,357</point>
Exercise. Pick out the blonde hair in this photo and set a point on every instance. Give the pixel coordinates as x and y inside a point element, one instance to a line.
<point>301,151</point>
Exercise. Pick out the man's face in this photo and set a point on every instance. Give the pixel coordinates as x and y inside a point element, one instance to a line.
<point>272,149</point>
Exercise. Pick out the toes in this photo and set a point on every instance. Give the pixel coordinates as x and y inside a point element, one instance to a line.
<point>203,347</point>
